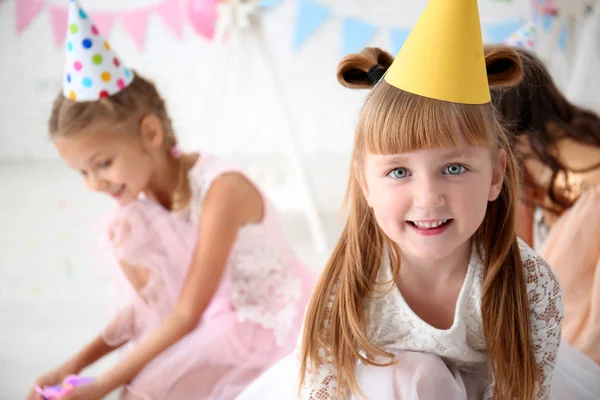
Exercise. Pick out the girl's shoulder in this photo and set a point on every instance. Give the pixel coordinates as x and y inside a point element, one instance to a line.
<point>533,264</point>
<point>208,167</point>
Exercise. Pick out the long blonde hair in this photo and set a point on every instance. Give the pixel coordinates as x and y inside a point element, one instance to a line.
<point>393,121</point>
<point>123,109</point>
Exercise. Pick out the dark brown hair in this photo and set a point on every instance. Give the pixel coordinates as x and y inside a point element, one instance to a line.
<point>537,109</point>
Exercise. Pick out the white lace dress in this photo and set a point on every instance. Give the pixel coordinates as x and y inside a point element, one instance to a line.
<point>461,350</point>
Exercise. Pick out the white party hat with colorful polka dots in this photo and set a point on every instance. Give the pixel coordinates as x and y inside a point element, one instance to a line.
<point>92,68</point>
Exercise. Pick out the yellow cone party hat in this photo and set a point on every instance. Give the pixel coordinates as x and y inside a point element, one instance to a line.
<point>442,57</point>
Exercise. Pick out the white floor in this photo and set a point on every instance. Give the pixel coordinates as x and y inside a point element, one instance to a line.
<point>52,298</point>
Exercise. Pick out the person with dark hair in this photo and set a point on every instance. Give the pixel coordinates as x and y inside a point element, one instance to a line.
<point>558,147</point>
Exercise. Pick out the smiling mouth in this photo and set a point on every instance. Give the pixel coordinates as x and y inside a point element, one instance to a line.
<point>119,192</point>
<point>431,224</point>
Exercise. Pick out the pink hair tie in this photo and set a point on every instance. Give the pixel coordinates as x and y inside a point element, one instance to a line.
<point>175,151</point>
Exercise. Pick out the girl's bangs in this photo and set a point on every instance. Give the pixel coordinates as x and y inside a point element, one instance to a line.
<point>394,121</point>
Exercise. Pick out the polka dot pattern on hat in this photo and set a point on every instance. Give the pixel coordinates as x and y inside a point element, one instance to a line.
<point>524,37</point>
<point>92,69</point>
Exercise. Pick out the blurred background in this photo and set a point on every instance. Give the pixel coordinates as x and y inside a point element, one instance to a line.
<point>252,81</point>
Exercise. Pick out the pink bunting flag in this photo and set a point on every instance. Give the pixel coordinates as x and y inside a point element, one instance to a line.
<point>203,16</point>
<point>171,15</point>
<point>104,22</point>
<point>59,17</point>
<point>136,22</point>
<point>27,10</point>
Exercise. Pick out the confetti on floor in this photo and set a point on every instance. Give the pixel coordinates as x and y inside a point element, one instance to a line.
<point>69,272</point>
<point>64,236</point>
<point>62,204</point>
<point>32,244</point>
<point>35,290</point>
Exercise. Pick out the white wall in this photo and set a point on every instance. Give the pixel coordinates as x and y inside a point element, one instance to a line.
<point>324,112</point>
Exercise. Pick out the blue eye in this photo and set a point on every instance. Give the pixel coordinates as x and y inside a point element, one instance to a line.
<point>455,169</point>
<point>398,173</point>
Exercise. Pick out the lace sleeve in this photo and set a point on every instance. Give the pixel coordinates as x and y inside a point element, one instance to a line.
<point>321,379</point>
<point>545,313</point>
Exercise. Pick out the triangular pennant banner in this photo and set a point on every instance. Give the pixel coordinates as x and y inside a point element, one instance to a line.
<point>547,21</point>
<point>59,17</point>
<point>202,15</point>
<point>171,15</point>
<point>356,35</point>
<point>563,37</point>
<point>268,3</point>
<point>398,36</point>
<point>135,22</point>
<point>497,33</point>
<point>310,17</point>
<point>27,10</point>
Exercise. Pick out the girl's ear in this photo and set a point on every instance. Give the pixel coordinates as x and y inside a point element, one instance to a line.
<point>498,173</point>
<point>504,66</point>
<point>151,131</point>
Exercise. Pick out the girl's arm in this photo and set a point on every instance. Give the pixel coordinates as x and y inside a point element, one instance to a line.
<point>545,316</point>
<point>92,352</point>
<point>231,202</point>
<point>321,380</point>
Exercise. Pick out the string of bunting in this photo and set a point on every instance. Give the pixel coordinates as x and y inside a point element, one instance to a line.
<point>200,14</point>
<point>311,16</point>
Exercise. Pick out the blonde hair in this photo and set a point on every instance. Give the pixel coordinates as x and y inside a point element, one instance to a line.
<point>124,109</point>
<point>394,121</point>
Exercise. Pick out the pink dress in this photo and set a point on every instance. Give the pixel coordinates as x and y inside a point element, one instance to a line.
<point>253,319</point>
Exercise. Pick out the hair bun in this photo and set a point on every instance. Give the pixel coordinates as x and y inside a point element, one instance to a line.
<point>503,65</point>
<point>363,70</point>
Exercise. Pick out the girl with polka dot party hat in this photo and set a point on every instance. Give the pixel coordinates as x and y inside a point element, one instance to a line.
<point>213,293</point>
<point>429,293</point>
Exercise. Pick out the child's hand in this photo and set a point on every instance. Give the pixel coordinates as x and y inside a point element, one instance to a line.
<point>89,391</point>
<point>53,377</point>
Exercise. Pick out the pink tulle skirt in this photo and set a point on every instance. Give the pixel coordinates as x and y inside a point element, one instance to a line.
<point>217,360</point>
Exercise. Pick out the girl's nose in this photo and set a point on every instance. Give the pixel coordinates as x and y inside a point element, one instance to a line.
<point>429,196</point>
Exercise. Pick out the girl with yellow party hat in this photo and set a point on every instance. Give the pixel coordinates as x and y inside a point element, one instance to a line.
<point>212,291</point>
<point>428,294</point>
